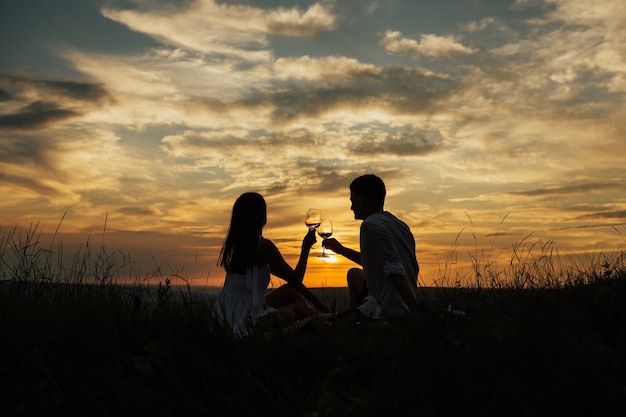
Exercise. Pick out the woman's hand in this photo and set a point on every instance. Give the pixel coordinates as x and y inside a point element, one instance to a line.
<point>310,239</point>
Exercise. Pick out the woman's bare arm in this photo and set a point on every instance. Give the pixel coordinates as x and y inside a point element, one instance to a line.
<point>270,254</point>
<point>294,276</point>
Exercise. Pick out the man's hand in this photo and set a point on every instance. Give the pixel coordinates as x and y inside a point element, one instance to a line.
<point>335,246</point>
<point>332,244</point>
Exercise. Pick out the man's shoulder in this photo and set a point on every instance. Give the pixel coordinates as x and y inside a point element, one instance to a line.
<point>382,218</point>
<point>373,220</point>
<point>385,220</point>
<point>379,215</point>
<point>381,221</point>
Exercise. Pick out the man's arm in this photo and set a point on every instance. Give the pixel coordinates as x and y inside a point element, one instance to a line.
<point>405,291</point>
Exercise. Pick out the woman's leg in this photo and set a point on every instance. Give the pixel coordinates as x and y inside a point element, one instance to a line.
<point>287,298</point>
<point>357,288</point>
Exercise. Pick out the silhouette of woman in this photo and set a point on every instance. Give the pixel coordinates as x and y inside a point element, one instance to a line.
<point>248,259</point>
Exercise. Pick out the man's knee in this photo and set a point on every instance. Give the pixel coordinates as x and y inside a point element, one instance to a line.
<point>355,277</point>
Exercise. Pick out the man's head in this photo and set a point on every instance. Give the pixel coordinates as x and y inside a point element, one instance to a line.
<point>367,194</point>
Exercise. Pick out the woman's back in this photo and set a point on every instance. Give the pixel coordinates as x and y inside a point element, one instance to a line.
<point>242,299</point>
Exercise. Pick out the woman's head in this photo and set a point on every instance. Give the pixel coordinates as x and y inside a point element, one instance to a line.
<point>240,248</point>
<point>249,212</point>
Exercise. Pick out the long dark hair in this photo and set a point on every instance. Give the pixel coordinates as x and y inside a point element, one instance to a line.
<point>240,250</point>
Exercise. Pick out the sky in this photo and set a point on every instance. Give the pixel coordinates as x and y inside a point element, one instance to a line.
<point>134,125</point>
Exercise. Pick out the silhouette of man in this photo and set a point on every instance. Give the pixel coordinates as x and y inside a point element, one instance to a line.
<point>387,284</point>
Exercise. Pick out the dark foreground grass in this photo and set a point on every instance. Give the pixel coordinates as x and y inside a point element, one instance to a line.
<point>73,343</point>
<point>85,350</point>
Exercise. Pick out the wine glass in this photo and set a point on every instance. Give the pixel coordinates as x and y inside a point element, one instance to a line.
<point>325,230</point>
<point>313,218</point>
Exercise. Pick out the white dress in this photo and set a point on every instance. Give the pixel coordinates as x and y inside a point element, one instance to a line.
<point>241,300</point>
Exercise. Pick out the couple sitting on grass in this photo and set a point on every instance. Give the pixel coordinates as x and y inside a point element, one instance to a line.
<point>385,287</point>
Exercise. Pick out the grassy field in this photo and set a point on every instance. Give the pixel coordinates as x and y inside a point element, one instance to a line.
<point>542,343</point>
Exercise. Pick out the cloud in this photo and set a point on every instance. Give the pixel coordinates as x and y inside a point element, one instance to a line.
<point>292,92</point>
<point>415,142</point>
<point>332,69</point>
<point>287,162</point>
<point>206,144</point>
<point>330,87</point>
<point>219,30</point>
<point>23,148</point>
<point>326,85</point>
<point>35,103</point>
<point>137,211</point>
<point>81,91</point>
<point>36,115</point>
<point>428,45</point>
<point>166,86</point>
<point>63,165</point>
<point>261,125</point>
<point>571,41</point>
<point>18,87</point>
<point>603,225</point>
<point>4,95</point>
<point>482,24</point>
<point>617,214</point>
<point>536,100</point>
<point>18,185</point>
<point>576,189</point>
<point>244,159</point>
<point>521,5</point>
<point>237,112</point>
<point>583,207</point>
<point>293,22</point>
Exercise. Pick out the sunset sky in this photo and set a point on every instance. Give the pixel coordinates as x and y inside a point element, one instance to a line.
<point>489,121</point>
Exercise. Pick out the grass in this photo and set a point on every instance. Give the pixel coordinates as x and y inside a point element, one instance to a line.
<point>533,339</point>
